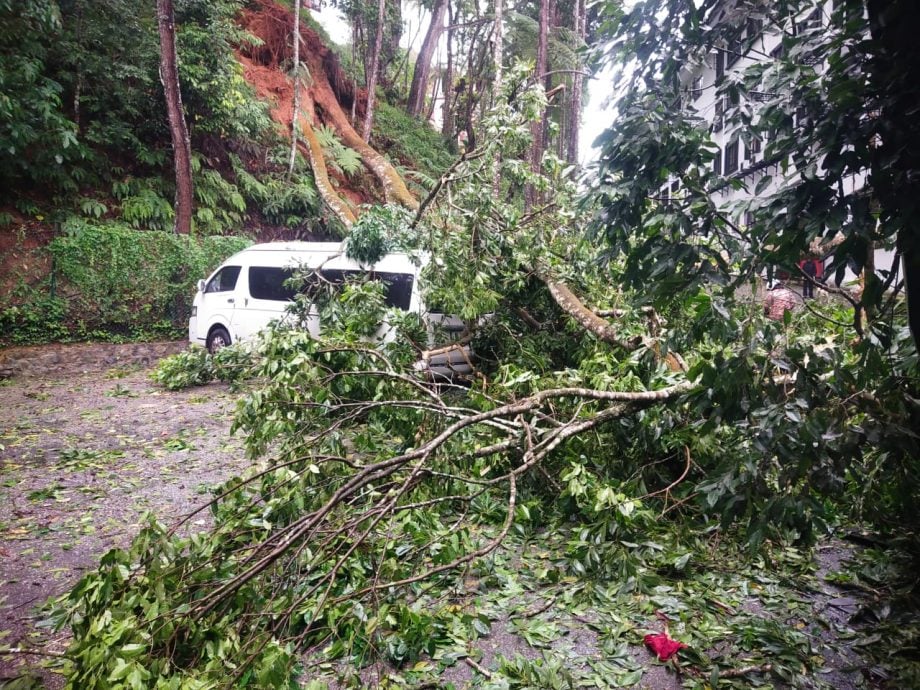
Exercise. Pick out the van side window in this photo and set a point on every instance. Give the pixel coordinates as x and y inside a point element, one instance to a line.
<point>267,282</point>
<point>224,280</point>
<point>398,285</point>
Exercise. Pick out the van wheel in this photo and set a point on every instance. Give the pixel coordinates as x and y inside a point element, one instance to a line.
<point>217,339</point>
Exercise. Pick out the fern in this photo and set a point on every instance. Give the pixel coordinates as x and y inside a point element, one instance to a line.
<point>93,208</point>
<point>327,137</point>
<point>345,160</point>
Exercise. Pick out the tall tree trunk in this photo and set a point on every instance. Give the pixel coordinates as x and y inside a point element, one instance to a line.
<point>182,148</point>
<point>538,126</point>
<point>575,98</point>
<point>422,71</point>
<point>296,76</point>
<point>78,81</point>
<point>497,58</point>
<point>447,111</point>
<point>375,65</point>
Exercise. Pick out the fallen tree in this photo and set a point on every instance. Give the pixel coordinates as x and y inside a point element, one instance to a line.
<point>377,489</point>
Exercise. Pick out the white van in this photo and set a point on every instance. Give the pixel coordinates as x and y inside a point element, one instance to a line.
<point>248,291</point>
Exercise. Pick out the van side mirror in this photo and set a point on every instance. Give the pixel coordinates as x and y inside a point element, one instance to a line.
<point>201,286</point>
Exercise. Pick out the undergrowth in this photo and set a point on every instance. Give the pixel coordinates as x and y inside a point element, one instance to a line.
<point>107,281</point>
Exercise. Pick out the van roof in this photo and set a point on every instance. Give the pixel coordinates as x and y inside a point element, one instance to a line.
<point>331,254</point>
<point>295,246</point>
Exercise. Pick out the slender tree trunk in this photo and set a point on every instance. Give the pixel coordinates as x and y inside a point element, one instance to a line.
<point>498,55</point>
<point>375,64</point>
<point>497,58</point>
<point>447,111</point>
<point>354,73</point>
<point>434,97</point>
<point>78,81</point>
<point>575,98</point>
<point>296,75</point>
<point>422,71</point>
<point>182,148</point>
<point>539,125</point>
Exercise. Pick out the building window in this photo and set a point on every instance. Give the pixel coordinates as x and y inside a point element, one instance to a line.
<point>675,187</point>
<point>717,162</point>
<point>697,90</point>
<point>733,52</point>
<point>754,29</point>
<point>731,158</point>
<point>717,120</point>
<point>753,149</point>
<point>812,21</point>
<point>778,53</point>
<point>720,64</point>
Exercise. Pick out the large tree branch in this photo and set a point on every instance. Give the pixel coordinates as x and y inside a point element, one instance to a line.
<point>574,307</point>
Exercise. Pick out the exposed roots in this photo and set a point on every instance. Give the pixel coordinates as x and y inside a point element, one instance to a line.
<point>329,89</point>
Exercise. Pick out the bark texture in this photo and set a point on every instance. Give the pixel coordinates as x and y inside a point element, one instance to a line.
<point>575,98</point>
<point>374,69</point>
<point>538,126</point>
<point>182,148</point>
<point>422,71</point>
<point>574,307</point>
<point>295,39</point>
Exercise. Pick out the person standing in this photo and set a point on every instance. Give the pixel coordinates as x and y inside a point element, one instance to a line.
<point>809,266</point>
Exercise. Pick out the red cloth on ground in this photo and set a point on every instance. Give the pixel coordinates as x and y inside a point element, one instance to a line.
<point>663,645</point>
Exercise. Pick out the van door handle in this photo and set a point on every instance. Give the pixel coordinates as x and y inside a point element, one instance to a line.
<point>231,301</point>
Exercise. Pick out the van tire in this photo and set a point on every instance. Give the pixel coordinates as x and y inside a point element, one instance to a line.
<point>218,338</point>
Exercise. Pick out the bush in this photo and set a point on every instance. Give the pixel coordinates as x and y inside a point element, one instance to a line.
<point>197,367</point>
<point>110,280</point>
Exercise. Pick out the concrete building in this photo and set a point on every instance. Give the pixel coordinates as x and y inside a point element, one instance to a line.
<point>740,155</point>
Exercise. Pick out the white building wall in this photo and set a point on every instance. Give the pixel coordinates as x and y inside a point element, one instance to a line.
<point>738,159</point>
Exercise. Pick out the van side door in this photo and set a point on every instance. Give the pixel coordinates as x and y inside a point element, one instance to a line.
<point>265,299</point>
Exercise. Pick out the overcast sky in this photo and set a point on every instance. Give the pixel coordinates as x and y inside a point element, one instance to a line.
<point>595,118</point>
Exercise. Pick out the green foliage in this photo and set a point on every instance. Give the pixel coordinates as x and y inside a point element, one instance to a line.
<point>183,370</point>
<point>37,141</point>
<point>34,318</point>
<point>196,367</point>
<point>380,229</point>
<point>407,141</point>
<point>280,200</point>
<point>216,95</point>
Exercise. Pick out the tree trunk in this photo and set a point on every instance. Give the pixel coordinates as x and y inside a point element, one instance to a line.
<point>575,98</point>
<point>296,76</point>
<point>447,111</point>
<point>422,71</point>
<point>538,126</point>
<point>182,148</point>
<point>497,57</point>
<point>375,65</point>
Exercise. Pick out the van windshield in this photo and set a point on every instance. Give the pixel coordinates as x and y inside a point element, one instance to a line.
<point>270,283</point>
